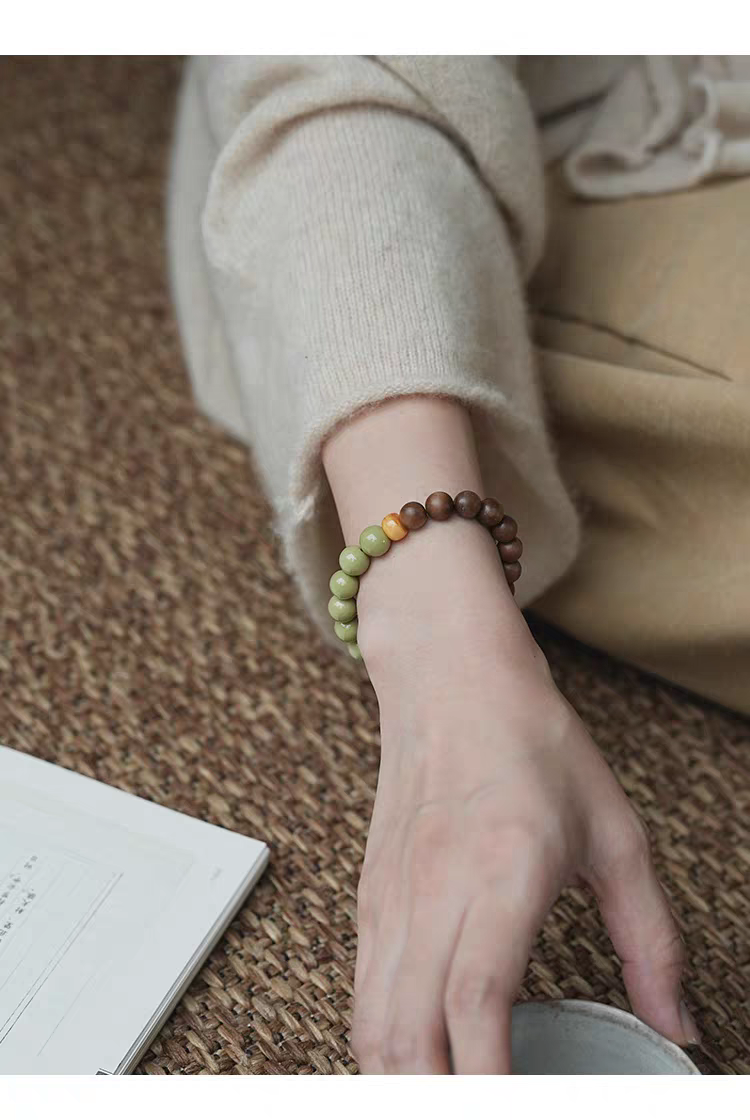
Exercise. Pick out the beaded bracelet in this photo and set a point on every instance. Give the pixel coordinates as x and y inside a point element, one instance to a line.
<point>375,540</point>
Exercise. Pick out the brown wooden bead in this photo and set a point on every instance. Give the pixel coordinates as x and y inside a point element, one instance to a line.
<point>490,513</point>
<point>506,531</point>
<point>467,503</point>
<point>413,515</point>
<point>439,505</point>
<point>512,571</point>
<point>511,551</point>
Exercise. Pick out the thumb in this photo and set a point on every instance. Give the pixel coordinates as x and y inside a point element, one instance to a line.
<point>646,938</point>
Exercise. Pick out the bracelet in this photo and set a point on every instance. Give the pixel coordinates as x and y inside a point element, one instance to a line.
<point>376,540</point>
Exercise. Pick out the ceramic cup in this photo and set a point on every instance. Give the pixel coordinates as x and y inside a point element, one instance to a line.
<point>574,1036</point>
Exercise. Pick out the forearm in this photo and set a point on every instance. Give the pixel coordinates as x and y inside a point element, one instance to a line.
<point>444,581</point>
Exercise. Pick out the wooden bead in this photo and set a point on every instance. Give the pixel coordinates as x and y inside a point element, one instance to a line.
<point>439,505</point>
<point>413,515</point>
<point>512,571</point>
<point>505,531</point>
<point>393,527</point>
<point>490,513</point>
<point>467,503</point>
<point>511,551</point>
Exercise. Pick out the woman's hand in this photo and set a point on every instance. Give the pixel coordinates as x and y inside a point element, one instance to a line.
<point>492,798</point>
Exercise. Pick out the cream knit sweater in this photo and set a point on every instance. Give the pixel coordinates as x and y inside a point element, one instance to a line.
<point>347,229</point>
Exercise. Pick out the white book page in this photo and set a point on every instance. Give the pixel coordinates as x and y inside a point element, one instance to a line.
<point>106,901</point>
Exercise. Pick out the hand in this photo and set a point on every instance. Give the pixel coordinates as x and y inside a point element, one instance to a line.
<point>492,797</point>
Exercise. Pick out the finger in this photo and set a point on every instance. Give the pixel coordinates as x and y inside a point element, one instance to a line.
<point>416,1040</point>
<point>381,933</point>
<point>436,878</point>
<point>488,967</point>
<point>647,940</point>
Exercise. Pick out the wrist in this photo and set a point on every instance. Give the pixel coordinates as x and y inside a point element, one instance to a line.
<point>439,603</point>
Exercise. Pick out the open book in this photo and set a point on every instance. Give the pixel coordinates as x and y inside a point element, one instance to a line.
<point>109,905</point>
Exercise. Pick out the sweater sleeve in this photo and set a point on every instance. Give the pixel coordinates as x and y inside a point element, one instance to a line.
<point>367,227</point>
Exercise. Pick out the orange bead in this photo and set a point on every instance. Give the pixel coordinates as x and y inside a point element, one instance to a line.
<point>393,527</point>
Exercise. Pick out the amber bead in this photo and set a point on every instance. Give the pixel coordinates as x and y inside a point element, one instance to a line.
<point>467,503</point>
<point>511,551</point>
<point>439,505</point>
<point>393,527</point>
<point>512,571</point>
<point>490,513</point>
<point>505,532</point>
<point>413,515</point>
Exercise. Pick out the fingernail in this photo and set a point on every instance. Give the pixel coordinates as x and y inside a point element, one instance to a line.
<point>689,1029</point>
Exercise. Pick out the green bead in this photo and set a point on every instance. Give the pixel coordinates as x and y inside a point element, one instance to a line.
<point>354,651</point>
<point>346,587</point>
<point>341,610</point>
<point>373,541</point>
<point>354,561</point>
<point>347,631</point>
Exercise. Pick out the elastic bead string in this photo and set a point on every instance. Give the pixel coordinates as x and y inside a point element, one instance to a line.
<point>376,540</point>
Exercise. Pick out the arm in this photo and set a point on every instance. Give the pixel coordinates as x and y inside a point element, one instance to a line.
<point>368,228</point>
<point>491,796</point>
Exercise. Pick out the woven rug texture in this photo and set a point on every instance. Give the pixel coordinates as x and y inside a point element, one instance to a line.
<point>148,638</point>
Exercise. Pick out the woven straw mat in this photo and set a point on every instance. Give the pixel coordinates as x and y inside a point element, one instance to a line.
<point>148,639</point>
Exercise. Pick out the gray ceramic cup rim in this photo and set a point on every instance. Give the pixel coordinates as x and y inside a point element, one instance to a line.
<point>603,1012</point>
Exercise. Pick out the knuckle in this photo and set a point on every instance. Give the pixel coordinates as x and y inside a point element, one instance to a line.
<point>515,854</point>
<point>670,951</point>
<point>522,845</point>
<point>402,1049</point>
<point>470,991</point>
<point>513,837</point>
<point>632,847</point>
<point>428,850</point>
<point>429,836</point>
<point>365,899</point>
<point>365,1044</point>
